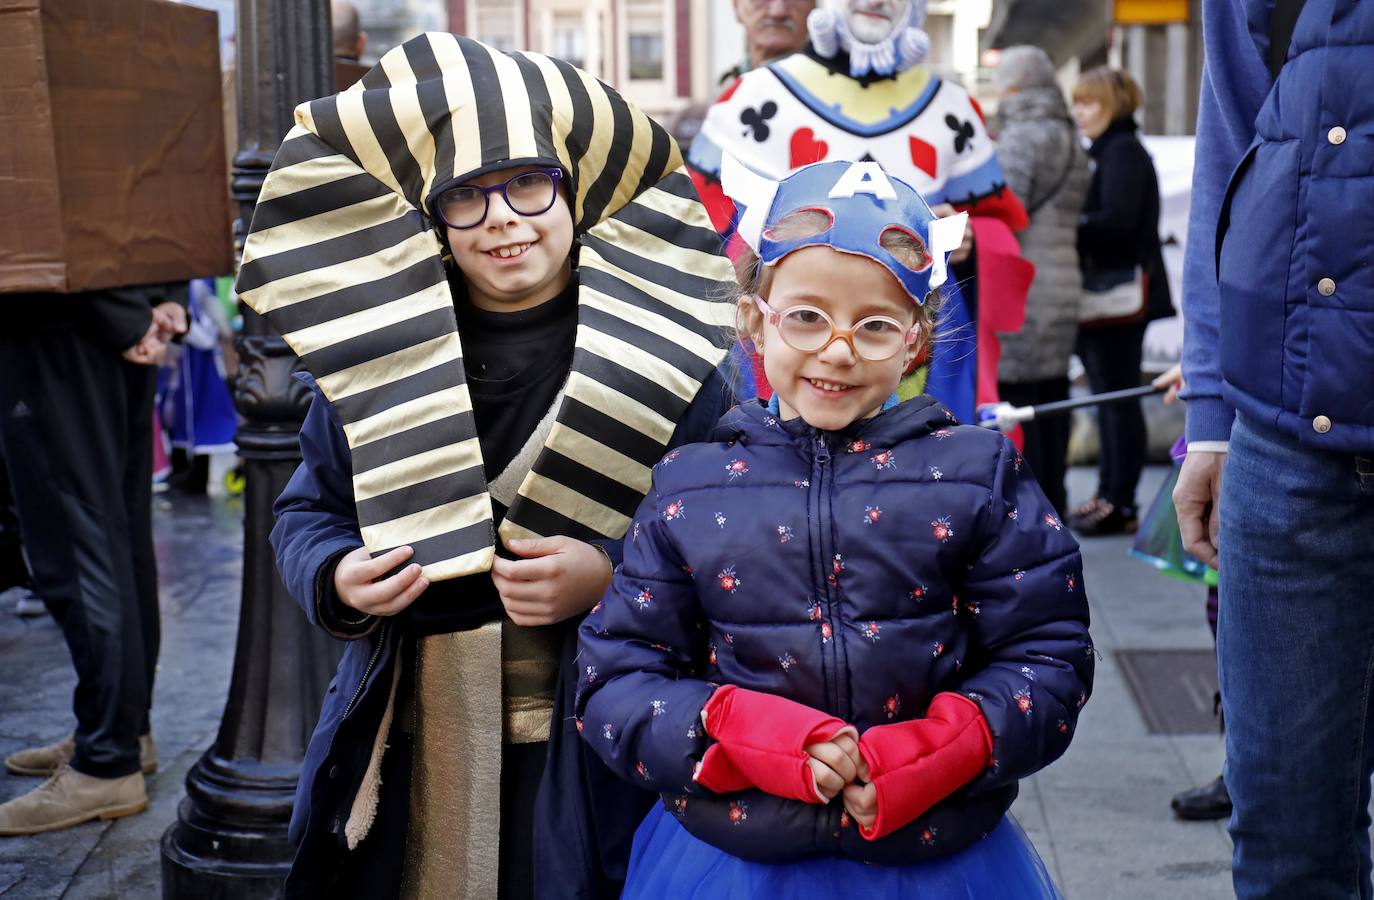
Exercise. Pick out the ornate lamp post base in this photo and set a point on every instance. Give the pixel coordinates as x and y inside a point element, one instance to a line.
<point>230,837</point>
<point>203,858</point>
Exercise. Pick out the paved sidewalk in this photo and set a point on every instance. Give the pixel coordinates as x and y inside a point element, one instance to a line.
<point>199,543</point>
<point>1100,816</point>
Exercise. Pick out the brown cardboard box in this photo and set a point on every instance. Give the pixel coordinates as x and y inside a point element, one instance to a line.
<point>112,167</point>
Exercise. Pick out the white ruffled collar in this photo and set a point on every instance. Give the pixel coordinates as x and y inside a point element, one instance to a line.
<point>907,46</point>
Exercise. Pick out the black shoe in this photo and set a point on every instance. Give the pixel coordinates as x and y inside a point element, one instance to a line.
<point>1211,801</point>
<point>1106,519</point>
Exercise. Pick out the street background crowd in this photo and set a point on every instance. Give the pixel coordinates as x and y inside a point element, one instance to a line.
<point>149,370</point>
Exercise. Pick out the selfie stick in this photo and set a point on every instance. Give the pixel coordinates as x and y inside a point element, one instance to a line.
<point>1004,417</point>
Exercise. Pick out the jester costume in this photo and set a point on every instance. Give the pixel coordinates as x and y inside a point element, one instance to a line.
<point>820,104</point>
<point>422,773</point>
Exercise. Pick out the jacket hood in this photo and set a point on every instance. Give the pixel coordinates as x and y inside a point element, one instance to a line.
<point>1042,102</point>
<point>343,260</point>
<point>753,423</point>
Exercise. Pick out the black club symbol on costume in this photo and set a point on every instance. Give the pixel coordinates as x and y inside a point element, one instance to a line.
<point>755,120</point>
<point>963,133</point>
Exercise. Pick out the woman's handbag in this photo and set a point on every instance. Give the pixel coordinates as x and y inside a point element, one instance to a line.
<point>1112,297</point>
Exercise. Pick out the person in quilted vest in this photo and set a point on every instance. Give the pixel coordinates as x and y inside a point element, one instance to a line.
<point>1277,489</point>
<point>846,626</point>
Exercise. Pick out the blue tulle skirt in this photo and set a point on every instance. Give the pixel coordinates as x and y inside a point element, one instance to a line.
<point>668,863</point>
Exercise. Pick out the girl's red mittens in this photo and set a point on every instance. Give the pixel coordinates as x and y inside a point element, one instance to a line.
<point>759,740</point>
<point>914,765</point>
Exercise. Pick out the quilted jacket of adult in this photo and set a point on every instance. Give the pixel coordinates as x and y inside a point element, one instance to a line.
<point>859,573</point>
<point>1039,153</point>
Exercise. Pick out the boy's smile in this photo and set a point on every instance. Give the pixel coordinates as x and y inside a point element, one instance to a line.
<point>511,261</point>
<point>510,251</point>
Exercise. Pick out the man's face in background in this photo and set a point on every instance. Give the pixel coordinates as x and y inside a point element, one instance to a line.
<point>773,28</point>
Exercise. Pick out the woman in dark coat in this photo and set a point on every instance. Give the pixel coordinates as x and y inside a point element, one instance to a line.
<point>1118,231</point>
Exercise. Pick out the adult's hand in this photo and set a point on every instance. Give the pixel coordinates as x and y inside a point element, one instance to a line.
<point>149,349</point>
<point>169,319</point>
<point>1197,499</point>
<point>1172,380</point>
<point>559,577</point>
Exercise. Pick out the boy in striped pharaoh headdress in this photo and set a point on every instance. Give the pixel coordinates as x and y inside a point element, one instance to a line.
<point>505,291</point>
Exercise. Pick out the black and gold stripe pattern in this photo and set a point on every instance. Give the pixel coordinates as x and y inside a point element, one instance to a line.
<point>343,261</point>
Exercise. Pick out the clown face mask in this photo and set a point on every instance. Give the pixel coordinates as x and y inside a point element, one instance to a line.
<point>874,21</point>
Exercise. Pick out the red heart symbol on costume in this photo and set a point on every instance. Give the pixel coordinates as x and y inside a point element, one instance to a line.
<point>806,149</point>
<point>922,155</point>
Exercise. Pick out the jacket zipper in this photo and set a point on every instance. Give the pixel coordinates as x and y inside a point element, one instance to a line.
<point>821,456</point>
<point>371,663</point>
<point>827,824</point>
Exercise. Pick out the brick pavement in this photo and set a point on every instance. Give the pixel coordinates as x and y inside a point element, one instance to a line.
<point>1100,816</point>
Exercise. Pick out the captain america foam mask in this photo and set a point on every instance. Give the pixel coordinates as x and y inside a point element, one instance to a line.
<point>862,201</point>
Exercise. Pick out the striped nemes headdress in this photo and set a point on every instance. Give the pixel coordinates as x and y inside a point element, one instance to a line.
<point>343,261</point>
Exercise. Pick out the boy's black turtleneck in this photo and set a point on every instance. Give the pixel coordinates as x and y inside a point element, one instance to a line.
<point>516,362</point>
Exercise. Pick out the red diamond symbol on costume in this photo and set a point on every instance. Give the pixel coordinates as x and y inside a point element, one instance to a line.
<point>805,149</point>
<point>922,155</point>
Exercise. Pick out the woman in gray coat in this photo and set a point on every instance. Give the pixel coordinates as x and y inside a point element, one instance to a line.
<point>1045,166</point>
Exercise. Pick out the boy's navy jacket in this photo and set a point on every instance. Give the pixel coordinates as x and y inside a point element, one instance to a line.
<point>585,818</point>
<point>858,573</point>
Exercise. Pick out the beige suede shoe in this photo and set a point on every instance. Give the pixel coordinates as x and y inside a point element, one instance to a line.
<point>43,761</point>
<point>69,798</point>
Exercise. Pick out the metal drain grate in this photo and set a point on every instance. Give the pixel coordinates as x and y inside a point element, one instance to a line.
<point>1172,688</point>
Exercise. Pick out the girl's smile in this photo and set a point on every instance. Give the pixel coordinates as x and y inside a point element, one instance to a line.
<point>832,387</point>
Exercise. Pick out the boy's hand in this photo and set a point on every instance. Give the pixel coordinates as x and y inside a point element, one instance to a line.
<point>834,764</point>
<point>559,578</point>
<point>355,581</point>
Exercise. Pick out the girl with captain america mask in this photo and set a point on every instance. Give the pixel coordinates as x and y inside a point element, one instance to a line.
<point>847,626</point>
<point>861,90</point>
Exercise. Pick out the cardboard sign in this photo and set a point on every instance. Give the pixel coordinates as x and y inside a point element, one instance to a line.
<point>112,161</point>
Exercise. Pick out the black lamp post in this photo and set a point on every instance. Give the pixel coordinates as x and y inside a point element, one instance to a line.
<point>229,840</point>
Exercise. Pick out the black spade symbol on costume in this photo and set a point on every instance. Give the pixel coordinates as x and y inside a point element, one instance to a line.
<point>755,120</point>
<point>963,133</point>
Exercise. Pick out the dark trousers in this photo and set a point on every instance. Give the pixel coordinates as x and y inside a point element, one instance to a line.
<point>76,426</point>
<point>13,571</point>
<point>1111,357</point>
<point>1046,440</point>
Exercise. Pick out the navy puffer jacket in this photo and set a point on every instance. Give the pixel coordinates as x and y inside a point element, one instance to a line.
<point>858,573</point>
